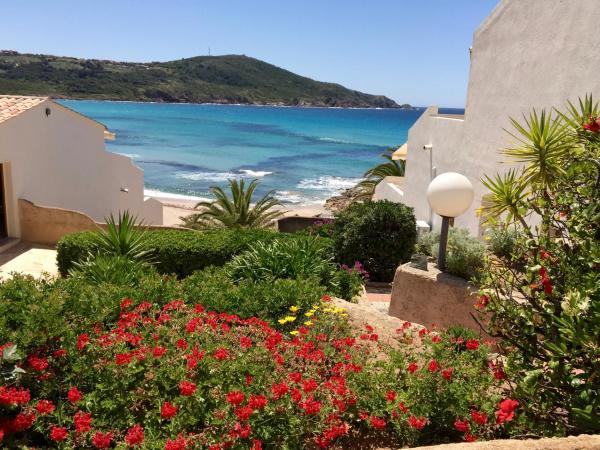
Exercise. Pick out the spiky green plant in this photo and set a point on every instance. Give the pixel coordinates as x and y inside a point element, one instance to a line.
<point>235,211</point>
<point>124,236</point>
<point>375,175</point>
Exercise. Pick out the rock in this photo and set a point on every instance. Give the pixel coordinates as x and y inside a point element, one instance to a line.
<point>343,200</point>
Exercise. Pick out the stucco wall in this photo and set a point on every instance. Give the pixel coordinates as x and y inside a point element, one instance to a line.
<point>59,160</point>
<point>526,54</point>
<point>390,188</point>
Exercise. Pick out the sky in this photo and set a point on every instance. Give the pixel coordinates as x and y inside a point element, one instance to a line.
<point>413,51</point>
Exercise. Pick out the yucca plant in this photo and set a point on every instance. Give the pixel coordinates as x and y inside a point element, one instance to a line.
<point>114,269</point>
<point>236,210</point>
<point>375,175</point>
<point>124,236</point>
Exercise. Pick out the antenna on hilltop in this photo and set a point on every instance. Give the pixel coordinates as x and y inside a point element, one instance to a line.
<point>208,51</point>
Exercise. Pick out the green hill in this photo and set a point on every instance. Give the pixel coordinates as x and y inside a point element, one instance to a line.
<point>202,79</point>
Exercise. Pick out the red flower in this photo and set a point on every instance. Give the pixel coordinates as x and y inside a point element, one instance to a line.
<point>82,341</point>
<point>412,367</point>
<point>479,418</point>
<point>295,377</point>
<point>126,303</point>
<point>506,413</point>
<point>187,388</point>
<point>83,422</point>
<point>13,396</point>
<point>45,407</point>
<point>235,398</point>
<point>37,363</point>
<point>326,298</point>
<point>248,378</point>
<point>470,438</point>
<point>245,342</point>
<point>482,302</point>
<point>123,358</point>
<point>177,444</point>
<point>243,413</point>
<point>433,366</point>
<point>472,344</point>
<point>311,406</point>
<point>181,344</point>
<point>74,395</point>
<point>593,125</point>
<point>447,373</point>
<point>417,422</point>
<point>60,353</point>
<point>58,434</point>
<point>168,411</point>
<point>158,351</point>
<point>23,421</point>
<point>257,401</point>
<point>436,339</point>
<point>377,422</point>
<point>309,385</point>
<point>279,390</point>
<point>402,407</point>
<point>102,440</point>
<point>221,354</point>
<point>390,396</point>
<point>135,435</point>
<point>462,425</point>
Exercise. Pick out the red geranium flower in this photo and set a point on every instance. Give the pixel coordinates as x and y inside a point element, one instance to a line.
<point>279,390</point>
<point>221,354</point>
<point>37,363</point>
<point>123,358</point>
<point>506,413</point>
<point>82,341</point>
<point>447,373</point>
<point>235,398</point>
<point>433,366</point>
<point>177,444</point>
<point>102,440</point>
<point>257,401</point>
<point>135,435</point>
<point>58,434</point>
<point>60,353</point>
<point>462,425</point>
<point>390,396</point>
<point>470,438</point>
<point>23,421</point>
<point>244,412</point>
<point>74,395</point>
<point>377,422</point>
<point>472,344</point>
<point>412,367</point>
<point>187,388</point>
<point>245,342</point>
<point>417,422</point>
<point>45,407</point>
<point>479,418</point>
<point>83,422</point>
<point>168,410</point>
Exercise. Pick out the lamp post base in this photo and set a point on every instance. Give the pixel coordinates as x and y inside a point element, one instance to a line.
<point>441,260</point>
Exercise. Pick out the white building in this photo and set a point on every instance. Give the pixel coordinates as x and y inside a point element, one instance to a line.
<point>527,54</point>
<point>54,157</point>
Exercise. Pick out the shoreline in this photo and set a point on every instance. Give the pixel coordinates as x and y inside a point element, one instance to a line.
<point>175,208</point>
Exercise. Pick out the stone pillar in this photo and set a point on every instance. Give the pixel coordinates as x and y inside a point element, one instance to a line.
<point>432,297</point>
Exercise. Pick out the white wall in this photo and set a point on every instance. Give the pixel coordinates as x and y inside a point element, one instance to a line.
<point>390,188</point>
<point>526,54</point>
<point>59,160</point>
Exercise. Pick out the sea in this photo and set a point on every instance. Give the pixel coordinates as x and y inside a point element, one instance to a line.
<point>302,155</point>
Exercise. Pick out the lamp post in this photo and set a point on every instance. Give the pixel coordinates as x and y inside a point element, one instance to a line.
<point>449,195</point>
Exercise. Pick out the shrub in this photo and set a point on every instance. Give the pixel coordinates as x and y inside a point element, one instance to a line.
<point>123,237</point>
<point>502,240</point>
<point>120,270</point>
<point>381,235</point>
<point>268,299</point>
<point>545,296</point>
<point>302,257</point>
<point>465,255</point>
<point>180,377</point>
<point>174,252</point>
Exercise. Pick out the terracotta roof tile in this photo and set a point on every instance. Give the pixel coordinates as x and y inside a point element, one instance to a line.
<point>13,105</point>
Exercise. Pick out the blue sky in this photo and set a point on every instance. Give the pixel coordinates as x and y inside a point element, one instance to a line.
<point>413,51</point>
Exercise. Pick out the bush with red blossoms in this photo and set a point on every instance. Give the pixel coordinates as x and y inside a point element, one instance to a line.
<point>178,376</point>
<point>543,295</point>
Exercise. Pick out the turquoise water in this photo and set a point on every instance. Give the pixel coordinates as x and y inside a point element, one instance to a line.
<point>305,155</point>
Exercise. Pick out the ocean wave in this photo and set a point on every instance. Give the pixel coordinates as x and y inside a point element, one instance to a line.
<point>328,183</point>
<point>336,141</point>
<point>129,155</point>
<point>222,176</point>
<point>297,198</point>
<point>169,195</point>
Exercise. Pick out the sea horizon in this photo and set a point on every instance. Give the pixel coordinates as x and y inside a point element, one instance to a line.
<point>304,155</point>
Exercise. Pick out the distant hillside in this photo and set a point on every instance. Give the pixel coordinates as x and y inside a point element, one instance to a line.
<point>202,79</point>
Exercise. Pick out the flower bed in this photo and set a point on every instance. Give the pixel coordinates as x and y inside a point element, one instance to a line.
<point>179,377</point>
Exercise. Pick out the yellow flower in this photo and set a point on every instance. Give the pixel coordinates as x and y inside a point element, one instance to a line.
<point>309,313</point>
<point>294,309</point>
<point>294,333</point>
<point>282,321</point>
<point>308,323</point>
<point>289,318</point>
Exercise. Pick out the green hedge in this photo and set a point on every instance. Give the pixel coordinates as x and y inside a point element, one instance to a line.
<point>175,252</point>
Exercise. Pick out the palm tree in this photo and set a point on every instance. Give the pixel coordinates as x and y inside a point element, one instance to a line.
<point>237,211</point>
<point>375,175</point>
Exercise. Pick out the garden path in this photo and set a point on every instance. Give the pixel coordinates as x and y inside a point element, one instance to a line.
<point>29,259</point>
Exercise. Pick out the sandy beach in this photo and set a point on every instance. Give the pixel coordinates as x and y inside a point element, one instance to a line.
<point>175,208</point>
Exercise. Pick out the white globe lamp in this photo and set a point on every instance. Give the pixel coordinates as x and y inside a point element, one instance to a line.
<point>449,195</point>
